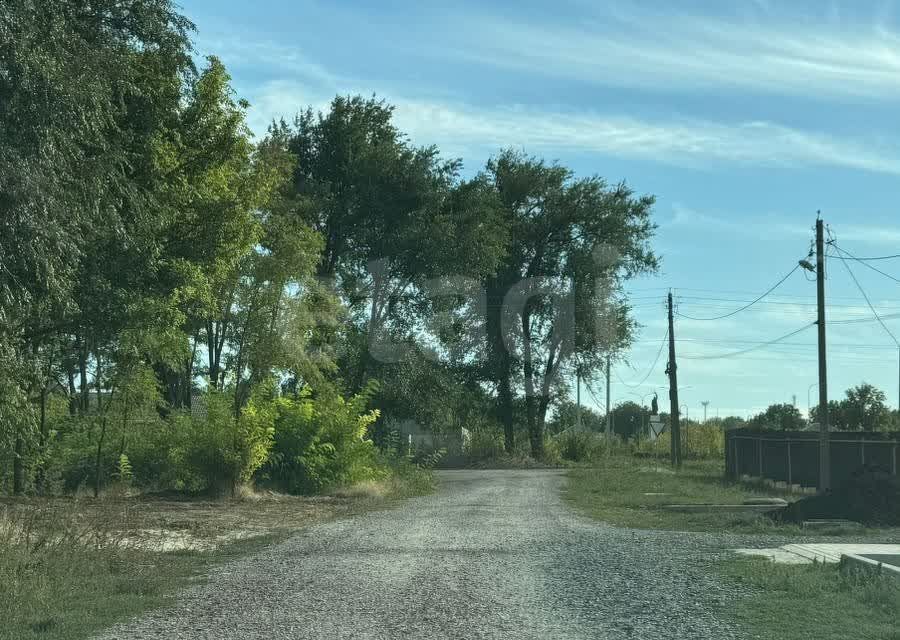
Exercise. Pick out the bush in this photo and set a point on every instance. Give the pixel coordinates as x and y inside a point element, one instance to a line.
<point>699,441</point>
<point>484,444</point>
<point>322,443</point>
<point>217,452</point>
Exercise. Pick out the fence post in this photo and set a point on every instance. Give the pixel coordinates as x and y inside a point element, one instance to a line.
<point>894,461</point>
<point>862,451</point>
<point>759,455</point>
<point>790,478</point>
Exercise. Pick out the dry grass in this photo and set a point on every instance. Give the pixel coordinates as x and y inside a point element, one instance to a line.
<point>70,567</point>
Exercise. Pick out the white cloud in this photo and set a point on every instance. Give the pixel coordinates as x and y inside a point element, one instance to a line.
<point>632,47</point>
<point>461,129</point>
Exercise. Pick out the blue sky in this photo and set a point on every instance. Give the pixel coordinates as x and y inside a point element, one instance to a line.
<point>743,118</point>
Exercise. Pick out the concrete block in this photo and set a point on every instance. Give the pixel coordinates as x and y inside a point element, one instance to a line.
<point>769,483</point>
<point>796,488</point>
<point>781,485</point>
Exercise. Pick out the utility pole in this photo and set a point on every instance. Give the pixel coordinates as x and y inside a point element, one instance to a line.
<point>578,401</point>
<point>824,437</point>
<point>672,371</point>
<point>608,408</point>
<point>705,404</point>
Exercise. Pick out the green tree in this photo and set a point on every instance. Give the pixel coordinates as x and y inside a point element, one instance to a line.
<point>630,420</point>
<point>779,417</point>
<point>863,408</point>
<point>565,416</point>
<point>555,299</point>
<point>70,73</point>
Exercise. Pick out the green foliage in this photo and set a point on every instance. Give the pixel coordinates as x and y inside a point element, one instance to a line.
<point>578,446</point>
<point>630,420</point>
<point>485,444</point>
<point>217,451</point>
<point>322,442</point>
<point>779,417</point>
<point>124,473</point>
<point>566,417</point>
<point>863,408</point>
<point>699,441</point>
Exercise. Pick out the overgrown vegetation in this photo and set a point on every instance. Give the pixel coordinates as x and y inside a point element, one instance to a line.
<point>69,567</point>
<point>186,307</point>
<point>776,599</point>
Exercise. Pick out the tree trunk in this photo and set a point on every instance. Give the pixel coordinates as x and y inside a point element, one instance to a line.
<point>501,363</point>
<point>73,392</point>
<point>40,479</point>
<point>97,470</point>
<point>19,467</point>
<point>506,414</point>
<point>535,432</point>
<point>98,382</point>
<point>82,370</point>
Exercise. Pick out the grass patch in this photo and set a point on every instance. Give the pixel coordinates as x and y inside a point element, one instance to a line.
<point>630,492</point>
<point>73,592</point>
<point>813,602</point>
<point>70,568</point>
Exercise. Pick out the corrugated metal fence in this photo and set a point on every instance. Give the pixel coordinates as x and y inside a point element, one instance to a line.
<point>793,456</point>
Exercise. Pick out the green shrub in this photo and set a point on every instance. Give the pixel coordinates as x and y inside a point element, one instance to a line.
<point>217,452</point>
<point>699,441</point>
<point>484,444</point>
<point>322,443</point>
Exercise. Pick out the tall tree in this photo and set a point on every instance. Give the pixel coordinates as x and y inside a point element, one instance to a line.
<point>556,295</point>
<point>69,72</point>
<point>392,217</point>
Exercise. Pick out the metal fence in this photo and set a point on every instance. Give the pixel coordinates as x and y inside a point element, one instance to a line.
<point>793,456</point>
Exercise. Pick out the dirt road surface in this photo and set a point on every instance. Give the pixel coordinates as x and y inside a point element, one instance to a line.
<point>492,554</point>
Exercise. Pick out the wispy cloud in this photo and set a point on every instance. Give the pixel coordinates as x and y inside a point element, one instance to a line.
<point>466,130</point>
<point>633,47</point>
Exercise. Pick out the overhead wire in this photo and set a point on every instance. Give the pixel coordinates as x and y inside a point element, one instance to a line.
<point>866,296</point>
<point>652,367</point>
<point>865,263</point>
<point>747,306</point>
<point>750,349</point>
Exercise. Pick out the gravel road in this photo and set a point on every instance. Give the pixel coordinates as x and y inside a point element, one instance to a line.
<point>492,554</point>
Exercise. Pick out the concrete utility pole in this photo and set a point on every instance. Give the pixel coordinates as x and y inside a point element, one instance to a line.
<point>705,404</point>
<point>672,371</point>
<point>608,407</point>
<point>824,437</point>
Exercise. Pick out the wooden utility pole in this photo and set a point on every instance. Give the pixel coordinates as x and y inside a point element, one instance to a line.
<point>608,407</point>
<point>672,370</point>
<point>824,437</point>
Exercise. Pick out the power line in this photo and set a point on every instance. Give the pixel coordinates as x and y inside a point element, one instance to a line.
<point>890,316</point>
<point>652,367</point>
<point>865,263</point>
<point>737,311</point>
<point>869,302</point>
<point>877,258</point>
<point>755,348</point>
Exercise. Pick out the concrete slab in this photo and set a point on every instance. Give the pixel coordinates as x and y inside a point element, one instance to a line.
<point>724,508</point>
<point>824,553</point>
<point>775,555</point>
<point>886,565</point>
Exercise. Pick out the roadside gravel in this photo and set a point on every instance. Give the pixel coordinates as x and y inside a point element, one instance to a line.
<point>492,554</point>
